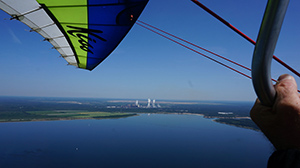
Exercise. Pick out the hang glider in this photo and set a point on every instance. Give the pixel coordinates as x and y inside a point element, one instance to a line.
<point>84,32</point>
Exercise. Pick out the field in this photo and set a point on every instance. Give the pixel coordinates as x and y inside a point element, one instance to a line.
<point>15,109</point>
<point>60,115</point>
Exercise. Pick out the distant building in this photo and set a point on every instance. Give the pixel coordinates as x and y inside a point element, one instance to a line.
<point>149,103</point>
<point>225,113</point>
<point>153,104</point>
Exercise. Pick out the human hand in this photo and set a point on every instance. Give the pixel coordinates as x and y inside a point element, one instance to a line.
<point>281,123</point>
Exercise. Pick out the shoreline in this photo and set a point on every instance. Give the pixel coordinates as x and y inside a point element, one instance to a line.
<point>241,122</point>
<point>68,118</point>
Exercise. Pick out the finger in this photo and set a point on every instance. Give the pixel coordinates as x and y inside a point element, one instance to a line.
<point>287,103</point>
<point>286,87</point>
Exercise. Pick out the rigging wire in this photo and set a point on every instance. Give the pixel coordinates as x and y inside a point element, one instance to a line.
<point>150,27</point>
<point>237,71</point>
<point>242,34</point>
<point>140,23</point>
<point>195,45</point>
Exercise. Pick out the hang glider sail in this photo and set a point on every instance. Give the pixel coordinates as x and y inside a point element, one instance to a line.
<point>84,32</point>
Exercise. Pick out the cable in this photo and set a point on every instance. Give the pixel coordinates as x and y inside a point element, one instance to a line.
<point>239,72</point>
<point>195,45</point>
<point>195,51</point>
<point>242,34</point>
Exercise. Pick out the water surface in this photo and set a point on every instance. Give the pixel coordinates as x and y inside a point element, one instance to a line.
<point>156,140</point>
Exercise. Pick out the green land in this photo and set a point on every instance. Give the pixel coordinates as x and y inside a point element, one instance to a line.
<point>60,115</point>
<point>18,109</point>
<point>242,123</point>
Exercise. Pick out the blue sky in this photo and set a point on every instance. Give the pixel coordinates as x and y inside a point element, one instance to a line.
<point>146,65</point>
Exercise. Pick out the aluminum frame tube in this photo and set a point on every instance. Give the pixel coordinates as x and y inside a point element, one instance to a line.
<point>264,49</point>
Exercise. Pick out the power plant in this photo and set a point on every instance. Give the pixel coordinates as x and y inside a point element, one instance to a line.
<point>137,103</point>
<point>150,104</point>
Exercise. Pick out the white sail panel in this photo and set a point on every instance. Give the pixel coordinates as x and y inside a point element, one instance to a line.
<point>35,17</point>
<point>21,6</point>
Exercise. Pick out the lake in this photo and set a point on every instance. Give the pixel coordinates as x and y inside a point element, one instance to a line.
<point>147,140</point>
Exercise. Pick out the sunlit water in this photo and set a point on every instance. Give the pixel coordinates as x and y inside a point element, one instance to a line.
<point>156,140</point>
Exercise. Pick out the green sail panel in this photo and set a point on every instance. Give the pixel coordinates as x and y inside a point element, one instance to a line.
<point>85,32</point>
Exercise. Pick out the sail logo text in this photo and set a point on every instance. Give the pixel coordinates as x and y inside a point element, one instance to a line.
<point>83,39</point>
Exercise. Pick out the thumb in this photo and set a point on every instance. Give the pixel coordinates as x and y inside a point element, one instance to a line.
<point>286,88</point>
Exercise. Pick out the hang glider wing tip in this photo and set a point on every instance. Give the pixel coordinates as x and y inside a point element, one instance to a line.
<point>73,64</point>
<point>88,38</point>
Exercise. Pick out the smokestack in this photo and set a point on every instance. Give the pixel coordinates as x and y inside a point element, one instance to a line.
<point>153,104</point>
<point>149,101</point>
